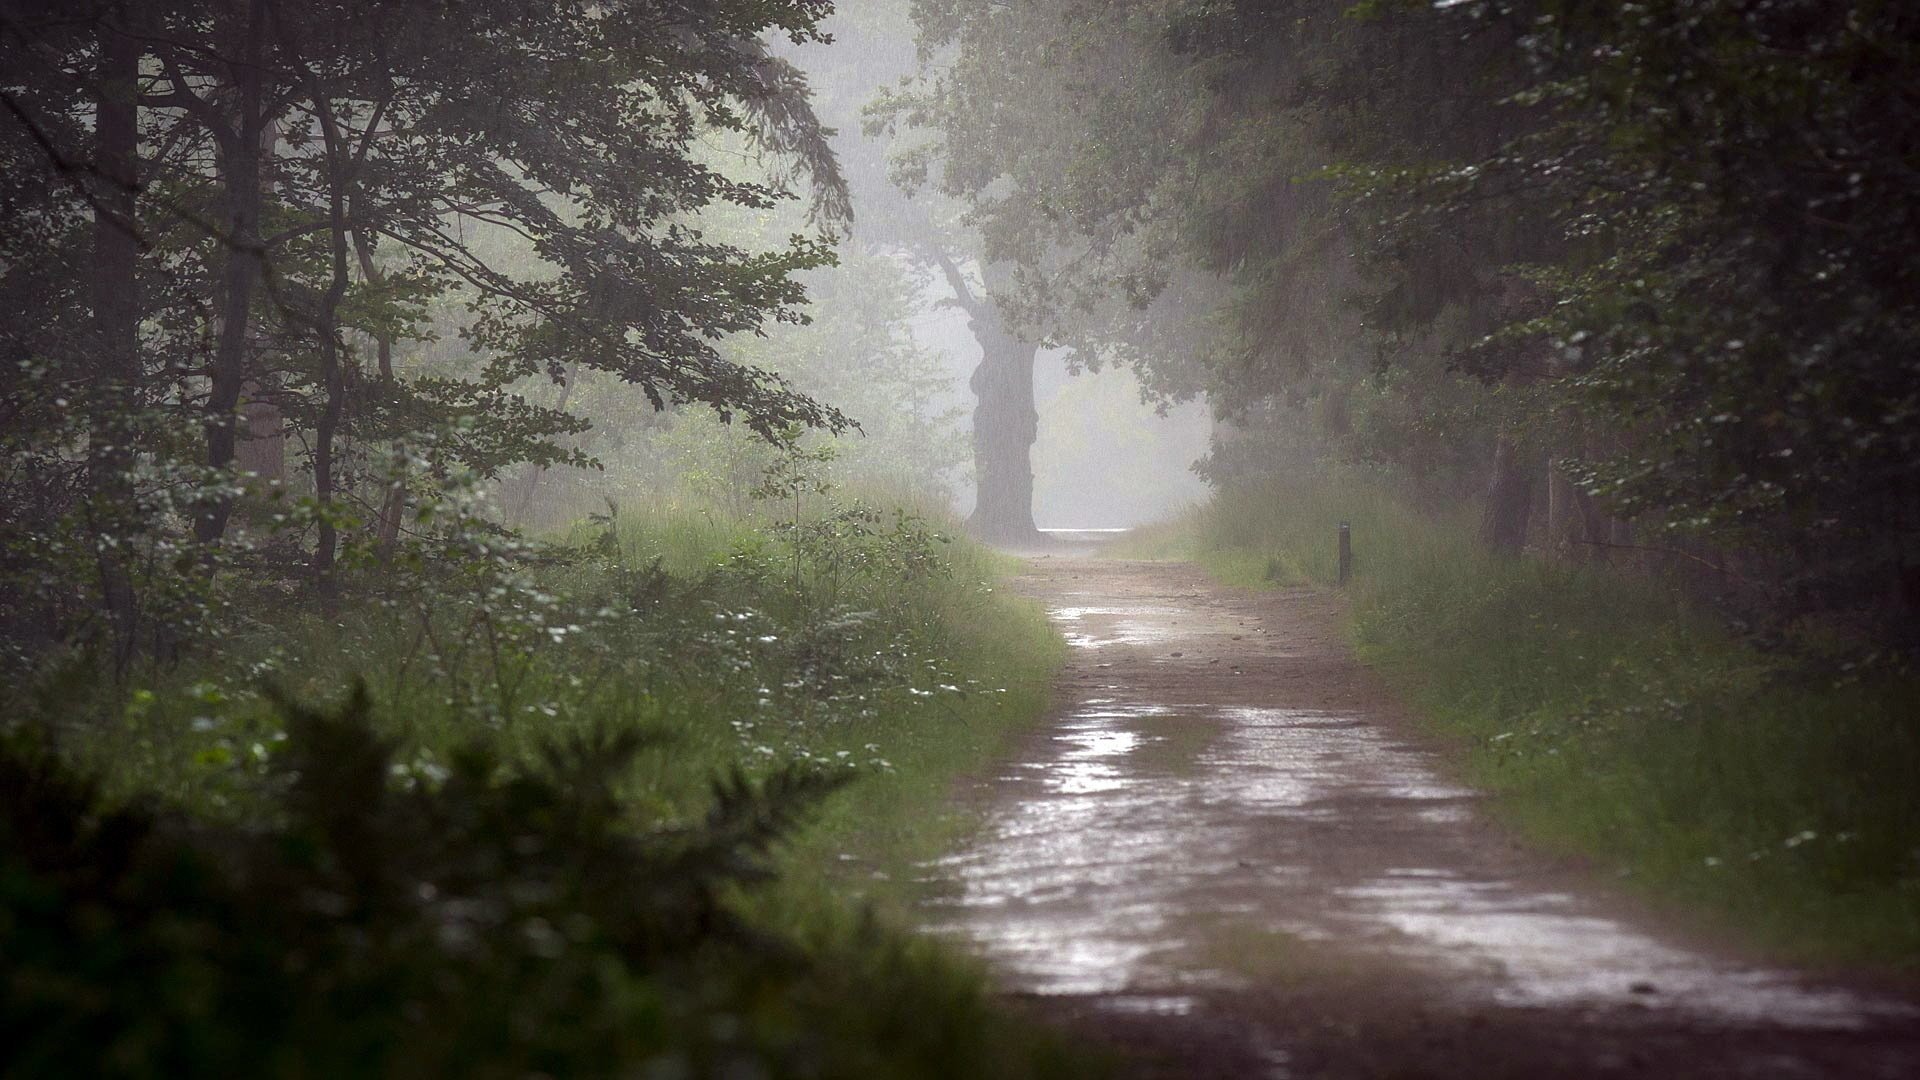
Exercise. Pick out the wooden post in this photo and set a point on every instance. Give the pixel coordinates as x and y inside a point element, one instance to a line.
<point>1346,553</point>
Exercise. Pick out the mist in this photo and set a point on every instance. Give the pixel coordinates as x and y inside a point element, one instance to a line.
<point>955,538</point>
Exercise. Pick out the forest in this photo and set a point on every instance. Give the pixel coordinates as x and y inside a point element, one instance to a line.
<point>793,538</point>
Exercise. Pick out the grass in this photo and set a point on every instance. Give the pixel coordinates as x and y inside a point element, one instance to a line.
<point>690,626</point>
<point>1760,791</point>
<point>892,655</point>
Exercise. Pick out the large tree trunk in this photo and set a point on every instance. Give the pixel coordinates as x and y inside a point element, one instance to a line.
<point>116,318</point>
<point>1005,425</point>
<point>262,450</point>
<point>327,543</point>
<point>1005,422</point>
<point>1620,544</point>
<point>1509,509</point>
<point>240,170</point>
<point>1596,527</point>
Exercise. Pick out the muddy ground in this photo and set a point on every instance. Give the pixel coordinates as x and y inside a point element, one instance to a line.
<point>1231,855</point>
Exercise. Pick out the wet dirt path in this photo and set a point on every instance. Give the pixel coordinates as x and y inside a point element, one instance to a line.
<point>1230,855</point>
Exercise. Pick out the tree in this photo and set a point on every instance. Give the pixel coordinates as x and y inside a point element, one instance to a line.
<point>1654,262</point>
<point>307,176</point>
<point>901,212</point>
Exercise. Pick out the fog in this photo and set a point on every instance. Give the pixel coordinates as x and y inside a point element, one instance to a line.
<point>1103,459</point>
<point>1054,539</point>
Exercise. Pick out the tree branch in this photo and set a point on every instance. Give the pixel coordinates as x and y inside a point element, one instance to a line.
<point>957,281</point>
<point>73,170</point>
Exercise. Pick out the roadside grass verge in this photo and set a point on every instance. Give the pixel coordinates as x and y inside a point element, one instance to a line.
<point>1764,792</point>
<point>863,644</point>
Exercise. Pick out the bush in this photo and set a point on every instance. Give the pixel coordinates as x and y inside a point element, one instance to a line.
<point>501,922</point>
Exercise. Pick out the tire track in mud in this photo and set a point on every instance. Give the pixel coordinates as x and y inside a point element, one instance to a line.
<point>1229,855</point>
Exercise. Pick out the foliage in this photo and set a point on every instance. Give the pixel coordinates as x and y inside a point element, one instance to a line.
<point>523,695</point>
<point>1741,175</point>
<point>413,917</point>
<point>493,922</point>
<point>856,350</point>
<point>219,291</point>
<point>1657,255</point>
<point>296,285</point>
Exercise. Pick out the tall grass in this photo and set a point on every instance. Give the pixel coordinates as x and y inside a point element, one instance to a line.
<point>1766,793</point>
<point>689,624</point>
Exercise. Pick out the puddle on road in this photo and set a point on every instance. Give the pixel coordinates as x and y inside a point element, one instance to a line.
<point>1104,867</point>
<point>1116,626</point>
<point>1547,952</point>
<point>1074,882</point>
<point>1089,760</point>
<point>1277,760</point>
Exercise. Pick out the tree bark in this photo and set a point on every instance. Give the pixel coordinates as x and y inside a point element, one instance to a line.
<point>1005,422</point>
<point>1621,548</point>
<point>262,452</point>
<point>1005,425</point>
<point>394,504</point>
<point>1509,508</point>
<point>241,170</point>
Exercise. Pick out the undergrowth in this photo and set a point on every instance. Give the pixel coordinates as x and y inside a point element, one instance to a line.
<point>1767,791</point>
<point>452,906</point>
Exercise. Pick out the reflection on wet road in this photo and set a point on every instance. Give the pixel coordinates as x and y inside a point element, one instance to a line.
<point>1215,798</point>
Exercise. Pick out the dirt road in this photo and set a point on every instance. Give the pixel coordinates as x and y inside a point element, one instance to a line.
<point>1231,855</point>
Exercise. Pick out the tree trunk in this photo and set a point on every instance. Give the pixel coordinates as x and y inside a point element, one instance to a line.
<point>1005,422</point>
<point>1595,528</point>
<point>262,451</point>
<point>327,329</point>
<point>326,545</point>
<point>1566,521</point>
<point>116,321</point>
<point>1503,525</point>
<point>393,505</point>
<point>241,179</point>
<point>1005,425</point>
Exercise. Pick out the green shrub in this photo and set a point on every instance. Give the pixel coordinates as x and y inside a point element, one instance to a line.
<point>502,921</point>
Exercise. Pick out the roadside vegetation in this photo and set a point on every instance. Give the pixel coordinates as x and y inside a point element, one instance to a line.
<point>597,805</point>
<point>440,632</point>
<point>1763,786</point>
